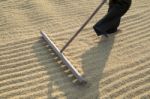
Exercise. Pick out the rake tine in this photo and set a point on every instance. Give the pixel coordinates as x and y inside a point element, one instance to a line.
<point>63,58</point>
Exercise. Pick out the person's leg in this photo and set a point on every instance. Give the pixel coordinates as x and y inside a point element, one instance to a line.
<point>115,26</point>
<point>95,27</point>
<point>116,23</point>
<point>116,10</point>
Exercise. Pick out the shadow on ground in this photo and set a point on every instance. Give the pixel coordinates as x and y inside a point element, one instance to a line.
<point>94,61</point>
<point>93,64</point>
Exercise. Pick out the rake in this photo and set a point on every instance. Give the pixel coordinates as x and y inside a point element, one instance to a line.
<point>60,54</point>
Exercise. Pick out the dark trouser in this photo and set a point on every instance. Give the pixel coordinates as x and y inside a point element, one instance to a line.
<point>110,22</point>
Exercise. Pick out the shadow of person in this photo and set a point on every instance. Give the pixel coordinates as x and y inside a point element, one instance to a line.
<point>93,62</point>
<point>58,84</point>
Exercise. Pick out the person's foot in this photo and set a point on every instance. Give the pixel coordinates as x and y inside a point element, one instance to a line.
<point>105,35</point>
<point>100,33</point>
<point>112,31</point>
<point>103,38</point>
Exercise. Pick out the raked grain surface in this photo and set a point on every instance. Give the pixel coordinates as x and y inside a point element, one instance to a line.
<point>115,68</point>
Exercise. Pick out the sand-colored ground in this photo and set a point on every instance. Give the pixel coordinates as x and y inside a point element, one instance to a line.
<point>117,68</point>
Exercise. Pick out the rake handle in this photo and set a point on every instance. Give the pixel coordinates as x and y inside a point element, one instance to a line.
<point>81,28</point>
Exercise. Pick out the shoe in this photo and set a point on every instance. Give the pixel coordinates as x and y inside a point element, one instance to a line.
<point>112,31</point>
<point>99,33</point>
